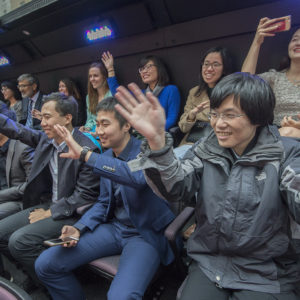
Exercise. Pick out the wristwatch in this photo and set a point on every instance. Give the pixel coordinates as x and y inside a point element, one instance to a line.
<point>83,153</point>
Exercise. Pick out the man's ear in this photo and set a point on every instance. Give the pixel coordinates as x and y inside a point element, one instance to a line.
<point>34,87</point>
<point>126,127</point>
<point>68,119</point>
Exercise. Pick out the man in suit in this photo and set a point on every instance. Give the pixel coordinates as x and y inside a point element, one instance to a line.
<point>18,165</point>
<point>29,85</point>
<point>56,186</point>
<point>128,218</point>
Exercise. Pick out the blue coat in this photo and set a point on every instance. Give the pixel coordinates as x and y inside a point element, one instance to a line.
<point>169,98</point>
<point>147,212</point>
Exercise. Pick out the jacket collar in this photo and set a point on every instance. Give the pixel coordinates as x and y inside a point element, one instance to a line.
<point>267,147</point>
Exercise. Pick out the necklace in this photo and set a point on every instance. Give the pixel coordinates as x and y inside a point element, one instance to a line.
<point>295,82</point>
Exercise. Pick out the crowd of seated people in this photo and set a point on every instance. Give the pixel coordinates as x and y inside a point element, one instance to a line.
<point>51,167</point>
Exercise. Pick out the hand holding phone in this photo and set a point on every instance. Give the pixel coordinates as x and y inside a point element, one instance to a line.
<point>283,24</point>
<point>55,242</point>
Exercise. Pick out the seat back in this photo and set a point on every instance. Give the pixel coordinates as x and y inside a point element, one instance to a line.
<point>10,291</point>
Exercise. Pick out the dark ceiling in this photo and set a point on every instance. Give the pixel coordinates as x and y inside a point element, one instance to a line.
<point>59,26</point>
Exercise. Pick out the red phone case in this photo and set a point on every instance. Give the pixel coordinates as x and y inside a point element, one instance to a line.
<point>283,25</point>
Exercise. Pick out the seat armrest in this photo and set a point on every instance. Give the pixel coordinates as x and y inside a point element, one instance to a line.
<point>178,223</point>
<point>177,135</point>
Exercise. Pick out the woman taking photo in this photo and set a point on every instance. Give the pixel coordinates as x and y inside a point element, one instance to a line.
<point>285,82</point>
<point>155,76</point>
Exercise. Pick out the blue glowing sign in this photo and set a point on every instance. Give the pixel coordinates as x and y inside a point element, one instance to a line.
<point>3,61</point>
<point>99,33</point>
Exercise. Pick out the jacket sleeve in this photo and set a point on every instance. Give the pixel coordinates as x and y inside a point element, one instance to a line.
<point>169,177</point>
<point>16,192</point>
<point>113,84</point>
<point>191,103</point>
<point>116,170</point>
<point>17,131</point>
<point>290,183</point>
<point>97,213</point>
<point>173,106</point>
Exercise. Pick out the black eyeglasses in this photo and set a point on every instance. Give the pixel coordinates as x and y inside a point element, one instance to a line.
<point>146,68</point>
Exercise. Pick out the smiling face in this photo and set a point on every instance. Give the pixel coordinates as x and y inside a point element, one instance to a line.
<point>294,46</point>
<point>27,89</point>
<point>149,74</point>
<point>7,93</point>
<point>212,68</point>
<point>62,88</point>
<point>233,133</point>
<point>51,117</point>
<point>96,78</point>
<point>110,133</point>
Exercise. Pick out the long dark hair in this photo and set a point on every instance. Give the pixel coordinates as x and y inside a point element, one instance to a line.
<point>72,88</point>
<point>227,66</point>
<point>12,86</point>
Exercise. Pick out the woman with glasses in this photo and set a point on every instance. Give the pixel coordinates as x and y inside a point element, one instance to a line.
<point>13,97</point>
<point>285,82</point>
<point>97,90</point>
<point>155,76</point>
<point>215,64</point>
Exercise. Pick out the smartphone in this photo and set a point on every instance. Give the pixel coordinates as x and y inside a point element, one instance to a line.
<point>55,242</point>
<point>284,24</point>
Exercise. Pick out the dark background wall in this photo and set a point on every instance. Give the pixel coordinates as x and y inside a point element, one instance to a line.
<point>180,45</point>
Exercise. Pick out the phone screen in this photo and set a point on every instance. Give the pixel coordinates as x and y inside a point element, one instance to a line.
<point>55,242</point>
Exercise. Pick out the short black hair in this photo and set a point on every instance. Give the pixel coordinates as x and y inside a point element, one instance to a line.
<point>64,105</point>
<point>252,93</point>
<point>163,75</point>
<point>5,110</point>
<point>12,86</point>
<point>108,104</point>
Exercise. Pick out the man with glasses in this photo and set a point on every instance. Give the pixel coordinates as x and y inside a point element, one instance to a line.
<point>247,181</point>
<point>28,85</point>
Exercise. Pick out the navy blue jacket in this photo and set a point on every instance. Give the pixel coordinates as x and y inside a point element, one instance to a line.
<point>147,212</point>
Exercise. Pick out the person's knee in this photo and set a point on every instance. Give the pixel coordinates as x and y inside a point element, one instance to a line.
<point>17,244</point>
<point>117,293</point>
<point>41,267</point>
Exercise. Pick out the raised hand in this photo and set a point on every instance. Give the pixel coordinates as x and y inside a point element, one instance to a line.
<point>108,61</point>
<point>264,29</point>
<point>144,113</point>
<point>199,108</point>
<point>36,114</point>
<point>74,148</point>
<point>290,122</point>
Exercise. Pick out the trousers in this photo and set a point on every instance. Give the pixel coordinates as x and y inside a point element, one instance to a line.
<point>23,242</point>
<point>138,263</point>
<point>198,287</point>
